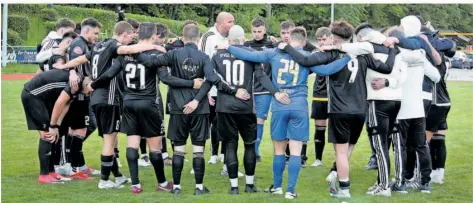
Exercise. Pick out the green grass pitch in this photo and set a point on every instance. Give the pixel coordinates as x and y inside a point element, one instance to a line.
<point>20,167</point>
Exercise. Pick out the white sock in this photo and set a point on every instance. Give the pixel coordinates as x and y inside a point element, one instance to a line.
<point>344,180</point>
<point>249,180</point>
<point>224,167</point>
<point>176,186</point>
<point>137,185</point>
<point>234,182</point>
<point>335,173</point>
<point>441,171</point>
<point>83,168</point>
<point>200,186</point>
<point>142,155</point>
<point>163,184</point>
<point>165,155</point>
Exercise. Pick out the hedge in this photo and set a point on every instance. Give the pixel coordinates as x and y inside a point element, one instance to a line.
<point>28,9</point>
<point>14,38</point>
<point>49,14</point>
<point>49,26</point>
<point>107,18</point>
<point>19,24</point>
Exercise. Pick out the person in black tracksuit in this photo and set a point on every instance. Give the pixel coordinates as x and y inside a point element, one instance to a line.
<point>188,106</point>
<point>259,42</point>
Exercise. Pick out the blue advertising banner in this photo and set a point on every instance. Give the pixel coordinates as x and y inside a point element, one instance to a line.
<point>21,55</point>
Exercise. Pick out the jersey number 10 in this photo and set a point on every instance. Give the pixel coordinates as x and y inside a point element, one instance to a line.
<point>234,73</point>
<point>130,70</point>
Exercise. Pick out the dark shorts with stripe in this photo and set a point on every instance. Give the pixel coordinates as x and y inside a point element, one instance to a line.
<point>36,111</point>
<point>345,128</point>
<point>108,118</point>
<point>319,109</point>
<point>181,126</point>
<point>141,117</point>
<point>437,118</point>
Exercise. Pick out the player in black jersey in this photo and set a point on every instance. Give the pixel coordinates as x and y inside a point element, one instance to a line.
<point>347,99</point>
<point>105,101</point>
<point>320,101</point>
<point>237,116</point>
<point>262,97</point>
<point>141,116</point>
<point>38,97</point>
<point>188,107</point>
<point>436,119</point>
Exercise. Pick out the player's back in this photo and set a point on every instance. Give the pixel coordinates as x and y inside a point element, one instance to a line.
<point>140,81</point>
<point>48,85</point>
<point>291,78</point>
<point>238,74</point>
<point>347,88</point>
<point>440,94</point>
<point>101,57</point>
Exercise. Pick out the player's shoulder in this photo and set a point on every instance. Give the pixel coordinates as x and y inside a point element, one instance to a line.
<point>208,36</point>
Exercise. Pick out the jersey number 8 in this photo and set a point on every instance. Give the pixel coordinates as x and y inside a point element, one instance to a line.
<point>130,70</point>
<point>235,72</point>
<point>95,62</point>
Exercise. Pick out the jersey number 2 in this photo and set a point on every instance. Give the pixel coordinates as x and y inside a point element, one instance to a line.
<point>130,70</point>
<point>235,72</point>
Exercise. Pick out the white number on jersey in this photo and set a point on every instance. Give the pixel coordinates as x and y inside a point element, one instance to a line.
<point>235,72</point>
<point>130,70</point>
<point>353,68</point>
<point>289,67</point>
<point>95,62</point>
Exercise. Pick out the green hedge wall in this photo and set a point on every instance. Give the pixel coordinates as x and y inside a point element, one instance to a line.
<point>49,14</point>
<point>14,38</point>
<point>19,24</point>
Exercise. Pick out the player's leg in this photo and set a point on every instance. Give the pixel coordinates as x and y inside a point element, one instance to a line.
<point>117,153</point>
<point>167,159</point>
<point>339,134</point>
<point>144,160</point>
<point>213,135</point>
<point>420,144</point>
<point>262,104</point>
<point>228,128</point>
<point>150,125</point>
<point>279,122</point>
<point>320,114</point>
<point>379,126</point>
<point>247,129</point>
<point>297,133</point>
<point>199,133</point>
<point>178,130</point>
<point>441,150</point>
<point>372,164</point>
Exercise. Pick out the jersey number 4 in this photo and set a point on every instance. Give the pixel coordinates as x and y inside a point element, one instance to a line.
<point>289,67</point>
<point>130,70</point>
<point>234,73</point>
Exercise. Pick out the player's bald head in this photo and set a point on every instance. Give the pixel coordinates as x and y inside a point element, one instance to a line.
<point>222,16</point>
<point>236,35</point>
<point>225,21</point>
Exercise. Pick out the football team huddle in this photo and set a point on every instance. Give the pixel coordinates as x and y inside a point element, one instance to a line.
<point>221,86</point>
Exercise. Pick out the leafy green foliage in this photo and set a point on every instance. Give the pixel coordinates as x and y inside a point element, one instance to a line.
<point>14,38</point>
<point>19,24</point>
<point>49,14</point>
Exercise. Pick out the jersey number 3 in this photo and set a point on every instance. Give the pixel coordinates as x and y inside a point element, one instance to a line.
<point>130,70</point>
<point>235,72</point>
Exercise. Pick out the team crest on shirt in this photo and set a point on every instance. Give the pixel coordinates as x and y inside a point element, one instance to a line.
<point>78,50</point>
<point>189,67</point>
